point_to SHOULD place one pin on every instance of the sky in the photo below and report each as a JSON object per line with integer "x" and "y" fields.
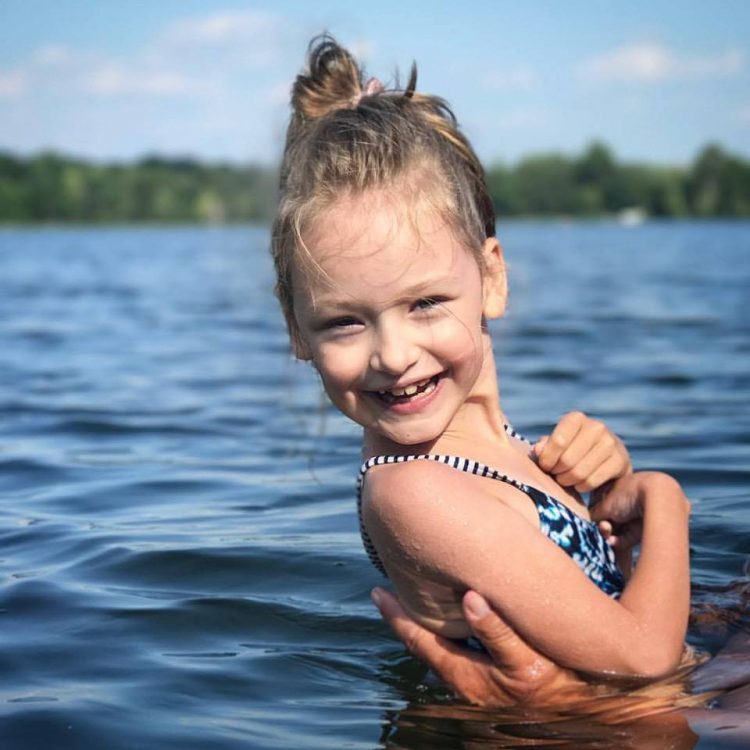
{"x": 116, "y": 80}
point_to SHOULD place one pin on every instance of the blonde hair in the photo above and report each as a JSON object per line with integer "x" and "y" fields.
{"x": 346, "y": 137}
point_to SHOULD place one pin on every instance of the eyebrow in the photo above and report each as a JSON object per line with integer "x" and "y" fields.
{"x": 330, "y": 300}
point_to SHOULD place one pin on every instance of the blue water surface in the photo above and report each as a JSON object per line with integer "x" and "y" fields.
{"x": 180, "y": 560}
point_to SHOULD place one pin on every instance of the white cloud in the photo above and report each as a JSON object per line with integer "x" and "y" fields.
{"x": 55, "y": 70}
{"x": 362, "y": 48}
{"x": 648, "y": 62}
{"x": 113, "y": 80}
{"x": 191, "y": 57}
{"x": 518, "y": 119}
{"x": 518, "y": 79}
{"x": 13, "y": 84}
{"x": 220, "y": 28}
{"x": 41, "y": 70}
{"x": 521, "y": 119}
{"x": 745, "y": 114}
{"x": 52, "y": 55}
{"x": 204, "y": 84}
{"x": 239, "y": 39}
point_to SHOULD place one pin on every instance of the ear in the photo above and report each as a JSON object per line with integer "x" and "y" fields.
{"x": 494, "y": 281}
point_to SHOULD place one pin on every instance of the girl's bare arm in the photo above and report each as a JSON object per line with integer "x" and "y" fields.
{"x": 428, "y": 519}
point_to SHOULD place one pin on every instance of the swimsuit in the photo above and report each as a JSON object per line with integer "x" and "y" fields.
{"x": 581, "y": 539}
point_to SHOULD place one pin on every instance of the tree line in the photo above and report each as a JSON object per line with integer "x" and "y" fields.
{"x": 50, "y": 187}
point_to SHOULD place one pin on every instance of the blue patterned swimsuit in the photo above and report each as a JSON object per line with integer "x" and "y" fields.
{"x": 581, "y": 539}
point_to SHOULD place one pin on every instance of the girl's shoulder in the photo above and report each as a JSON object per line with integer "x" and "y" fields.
{"x": 423, "y": 516}
{"x": 428, "y": 493}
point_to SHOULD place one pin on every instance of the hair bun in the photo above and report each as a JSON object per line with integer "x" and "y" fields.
{"x": 332, "y": 81}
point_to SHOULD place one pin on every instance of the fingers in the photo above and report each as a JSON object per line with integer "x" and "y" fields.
{"x": 605, "y": 527}
{"x": 610, "y": 468}
{"x": 512, "y": 673}
{"x": 422, "y": 643}
{"x": 507, "y": 650}
{"x": 539, "y": 446}
{"x": 616, "y": 541}
{"x": 597, "y": 462}
{"x": 572, "y": 440}
{"x": 630, "y": 536}
{"x": 582, "y": 453}
{"x": 562, "y": 436}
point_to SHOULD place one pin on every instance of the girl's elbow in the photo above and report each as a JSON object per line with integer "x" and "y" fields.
{"x": 654, "y": 662}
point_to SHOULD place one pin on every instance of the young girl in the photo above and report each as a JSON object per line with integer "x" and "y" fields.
{"x": 388, "y": 269}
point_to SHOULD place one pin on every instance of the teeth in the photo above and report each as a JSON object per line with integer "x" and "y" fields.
{"x": 409, "y": 390}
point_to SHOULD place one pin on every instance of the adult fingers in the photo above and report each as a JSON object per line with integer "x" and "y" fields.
{"x": 518, "y": 674}
{"x": 472, "y": 675}
{"x": 508, "y": 651}
{"x": 435, "y": 651}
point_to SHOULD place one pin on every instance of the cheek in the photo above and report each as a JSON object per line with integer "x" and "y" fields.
{"x": 338, "y": 368}
{"x": 460, "y": 340}
{"x": 472, "y": 355}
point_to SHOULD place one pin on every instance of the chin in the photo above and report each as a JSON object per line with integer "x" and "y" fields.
{"x": 419, "y": 435}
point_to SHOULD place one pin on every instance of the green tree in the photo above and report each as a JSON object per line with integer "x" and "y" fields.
{"x": 719, "y": 184}
{"x": 546, "y": 185}
{"x": 51, "y": 187}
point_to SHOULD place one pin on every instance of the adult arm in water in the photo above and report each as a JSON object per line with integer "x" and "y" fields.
{"x": 513, "y": 673}
{"x": 510, "y": 673}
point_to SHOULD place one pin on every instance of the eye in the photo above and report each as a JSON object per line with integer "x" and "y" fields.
{"x": 340, "y": 323}
{"x": 427, "y": 303}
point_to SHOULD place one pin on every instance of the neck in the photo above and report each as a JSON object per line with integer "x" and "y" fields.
{"x": 480, "y": 420}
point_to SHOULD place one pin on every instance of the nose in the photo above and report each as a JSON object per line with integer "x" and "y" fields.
{"x": 394, "y": 351}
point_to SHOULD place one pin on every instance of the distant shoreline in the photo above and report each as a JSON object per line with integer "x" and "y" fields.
{"x": 53, "y": 188}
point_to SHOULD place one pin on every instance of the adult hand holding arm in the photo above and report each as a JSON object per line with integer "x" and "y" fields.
{"x": 513, "y": 672}
{"x": 510, "y": 673}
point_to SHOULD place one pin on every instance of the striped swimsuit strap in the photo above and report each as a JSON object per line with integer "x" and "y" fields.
{"x": 579, "y": 538}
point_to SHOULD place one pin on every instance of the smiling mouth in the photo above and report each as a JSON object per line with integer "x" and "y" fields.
{"x": 410, "y": 392}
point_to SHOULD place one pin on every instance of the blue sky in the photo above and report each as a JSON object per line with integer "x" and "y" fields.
{"x": 115, "y": 80}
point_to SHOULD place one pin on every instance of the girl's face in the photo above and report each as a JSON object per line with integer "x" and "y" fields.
{"x": 391, "y": 315}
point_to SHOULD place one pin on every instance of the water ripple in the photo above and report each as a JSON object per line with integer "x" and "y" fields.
{"x": 181, "y": 564}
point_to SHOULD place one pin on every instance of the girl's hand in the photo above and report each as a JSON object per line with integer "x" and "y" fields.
{"x": 621, "y": 508}
{"x": 619, "y": 513}
{"x": 582, "y": 453}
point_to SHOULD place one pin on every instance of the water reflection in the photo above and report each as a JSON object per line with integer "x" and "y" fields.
{"x": 619, "y": 723}
{"x": 706, "y": 701}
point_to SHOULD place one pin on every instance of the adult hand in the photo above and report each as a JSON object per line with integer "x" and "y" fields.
{"x": 511, "y": 673}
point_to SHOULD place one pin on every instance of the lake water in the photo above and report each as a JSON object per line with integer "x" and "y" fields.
{"x": 180, "y": 560}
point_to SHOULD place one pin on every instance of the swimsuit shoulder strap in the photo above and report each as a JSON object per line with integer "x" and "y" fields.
{"x": 456, "y": 462}
{"x": 579, "y": 538}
